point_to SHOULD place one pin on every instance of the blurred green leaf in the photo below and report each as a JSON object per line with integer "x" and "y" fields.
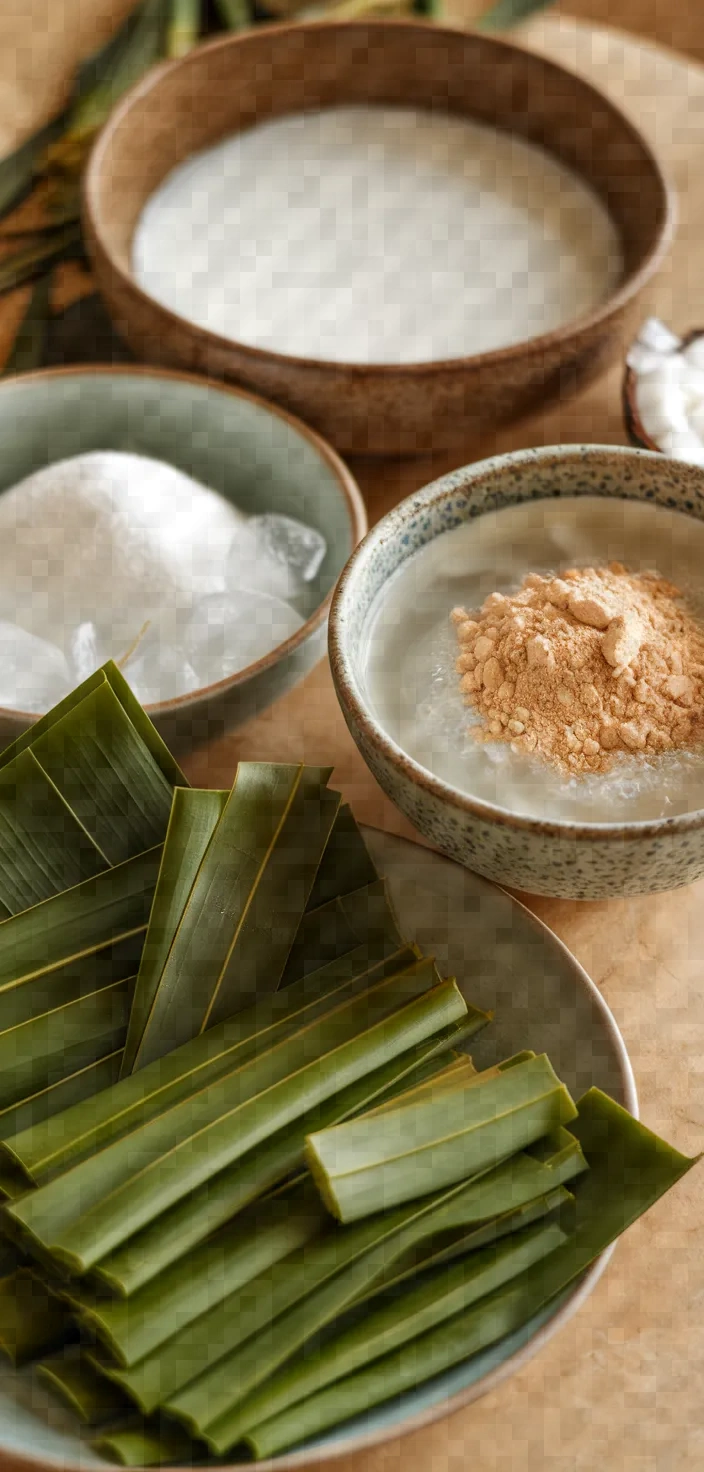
{"x": 30, "y": 342}
{"x": 507, "y": 13}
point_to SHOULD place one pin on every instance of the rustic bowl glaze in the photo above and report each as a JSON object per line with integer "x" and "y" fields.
{"x": 562, "y": 858}
{"x": 234, "y": 83}
{"x": 249, "y": 451}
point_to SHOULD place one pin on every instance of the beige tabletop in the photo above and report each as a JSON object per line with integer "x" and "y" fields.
{"x": 621, "y": 1389}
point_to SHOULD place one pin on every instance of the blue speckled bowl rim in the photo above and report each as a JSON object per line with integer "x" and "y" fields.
{"x": 570, "y": 1301}
{"x": 347, "y": 485}
{"x": 459, "y": 484}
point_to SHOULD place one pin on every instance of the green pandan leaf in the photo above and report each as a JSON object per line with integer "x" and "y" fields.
{"x": 245, "y": 904}
{"x": 629, "y": 1168}
{"x": 194, "y": 818}
{"x": 423, "y": 1145}
{"x": 86, "y": 1213}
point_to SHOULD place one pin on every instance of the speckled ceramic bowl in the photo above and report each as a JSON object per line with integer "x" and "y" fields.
{"x": 251, "y": 452}
{"x": 574, "y": 860}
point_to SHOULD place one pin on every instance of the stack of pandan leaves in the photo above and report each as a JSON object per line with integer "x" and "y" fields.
{"x": 252, "y": 1181}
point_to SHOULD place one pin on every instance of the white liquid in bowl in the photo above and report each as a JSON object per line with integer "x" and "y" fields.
{"x": 410, "y": 651}
{"x": 376, "y": 235}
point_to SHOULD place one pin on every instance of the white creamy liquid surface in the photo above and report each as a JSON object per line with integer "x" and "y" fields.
{"x": 376, "y": 234}
{"x": 410, "y": 651}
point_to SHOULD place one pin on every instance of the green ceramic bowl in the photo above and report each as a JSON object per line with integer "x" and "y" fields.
{"x": 251, "y": 452}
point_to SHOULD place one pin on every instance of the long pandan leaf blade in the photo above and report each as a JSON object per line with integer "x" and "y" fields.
{"x": 79, "y": 921}
{"x": 44, "y": 1152}
{"x": 134, "y": 1327}
{"x": 108, "y": 674}
{"x": 43, "y": 846}
{"x": 184, "y": 27}
{"x": 53, "y": 1045}
{"x": 363, "y": 917}
{"x": 32, "y": 261}
{"x": 18, "y": 169}
{"x": 629, "y": 1169}
{"x": 297, "y": 1299}
{"x": 33, "y": 1321}
{"x": 84, "y": 1084}
{"x": 245, "y": 904}
{"x": 26, "y": 998}
{"x": 422, "y": 1146}
{"x": 76, "y": 1382}
{"x": 390, "y": 1325}
{"x": 29, "y": 345}
{"x": 193, "y": 1219}
{"x": 83, "y": 1215}
{"x": 346, "y": 864}
{"x": 194, "y": 818}
{"x": 107, "y": 775}
{"x": 107, "y": 75}
{"x": 507, "y": 13}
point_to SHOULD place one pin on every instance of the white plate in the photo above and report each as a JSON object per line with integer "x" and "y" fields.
{"x": 505, "y": 961}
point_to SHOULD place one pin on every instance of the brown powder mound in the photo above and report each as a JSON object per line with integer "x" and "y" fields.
{"x": 580, "y": 667}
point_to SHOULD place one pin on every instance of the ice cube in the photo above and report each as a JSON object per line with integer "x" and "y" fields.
{"x": 34, "y": 674}
{"x": 276, "y": 555}
{"x": 228, "y": 631}
{"x": 86, "y": 652}
{"x": 158, "y": 670}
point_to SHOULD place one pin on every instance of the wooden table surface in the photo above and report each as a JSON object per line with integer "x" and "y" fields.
{"x": 620, "y": 1389}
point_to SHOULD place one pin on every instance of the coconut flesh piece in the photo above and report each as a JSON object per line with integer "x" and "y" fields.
{"x": 669, "y": 390}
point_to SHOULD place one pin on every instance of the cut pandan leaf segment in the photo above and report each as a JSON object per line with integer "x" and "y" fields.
{"x": 437, "y": 1297}
{"x": 423, "y": 1145}
{"x": 41, "y": 1153}
{"x": 629, "y": 1169}
{"x": 189, "y": 1222}
{"x": 33, "y": 1321}
{"x": 239, "y": 917}
{"x": 83, "y": 1215}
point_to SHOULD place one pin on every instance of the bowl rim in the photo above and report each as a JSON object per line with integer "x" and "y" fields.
{"x": 382, "y": 373}
{"x": 347, "y": 485}
{"x": 364, "y": 1441}
{"x": 359, "y": 716}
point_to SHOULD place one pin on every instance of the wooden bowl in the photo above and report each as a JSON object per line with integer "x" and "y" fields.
{"x": 242, "y": 80}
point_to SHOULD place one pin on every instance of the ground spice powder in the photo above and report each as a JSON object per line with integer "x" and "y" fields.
{"x": 580, "y": 667}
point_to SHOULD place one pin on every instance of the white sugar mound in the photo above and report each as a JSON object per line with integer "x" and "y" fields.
{"x": 114, "y": 555}
{"x": 105, "y": 536}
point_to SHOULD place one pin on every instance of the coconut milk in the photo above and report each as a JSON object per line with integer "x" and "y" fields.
{"x": 376, "y": 235}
